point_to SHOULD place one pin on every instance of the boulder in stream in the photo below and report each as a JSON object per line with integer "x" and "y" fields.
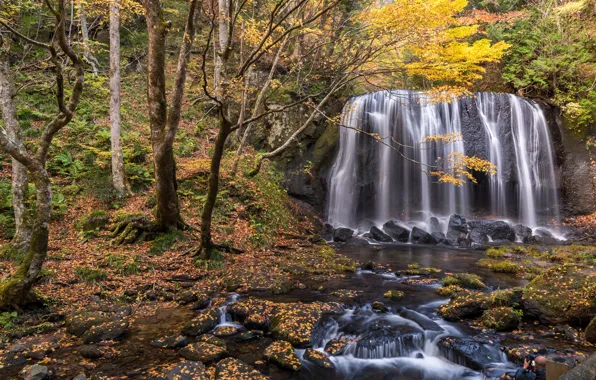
{"x": 473, "y": 353}
{"x": 106, "y": 331}
{"x": 419, "y": 236}
{"x": 342, "y": 234}
{"x": 379, "y": 235}
{"x": 188, "y": 370}
{"x": 434, "y": 225}
{"x": 234, "y": 369}
{"x": 36, "y": 372}
{"x": 319, "y": 358}
{"x": 397, "y": 232}
{"x": 203, "y": 323}
{"x": 282, "y": 353}
{"x": 522, "y": 231}
{"x": 203, "y": 352}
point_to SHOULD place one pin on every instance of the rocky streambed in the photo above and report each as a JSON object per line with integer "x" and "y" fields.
{"x": 408, "y": 312}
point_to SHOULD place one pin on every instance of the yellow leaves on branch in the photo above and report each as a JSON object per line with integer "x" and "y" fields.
{"x": 448, "y": 138}
{"x": 425, "y": 38}
{"x": 460, "y": 167}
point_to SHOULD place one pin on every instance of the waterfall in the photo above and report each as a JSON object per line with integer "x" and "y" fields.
{"x": 370, "y": 182}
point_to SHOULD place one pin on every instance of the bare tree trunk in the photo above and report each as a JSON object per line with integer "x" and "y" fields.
{"x": 93, "y": 62}
{"x": 115, "y": 130}
{"x": 164, "y": 125}
{"x": 20, "y": 178}
{"x": 207, "y": 246}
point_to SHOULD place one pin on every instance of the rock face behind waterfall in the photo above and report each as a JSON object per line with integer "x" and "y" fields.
{"x": 397, "y": 232}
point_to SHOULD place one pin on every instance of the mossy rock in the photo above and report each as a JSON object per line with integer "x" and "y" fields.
{"x": 282, "y": 353}
{"x": 234, "y": 369}
{"x": 562, "y": 295}
{"x": 203, "y": 352}
{"x": 465, "y": 280}
{"x": 464, "y": 305}
{"x": 202, "y": 324}
{"x": 319, "y": 358}
{"x": 449, "y": 291}
{"x": 394, "y": 294}
{"x": 502, "y": 318}
{"x": 96, "y": 220}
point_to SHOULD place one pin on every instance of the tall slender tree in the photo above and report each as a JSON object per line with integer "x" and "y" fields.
{"x": 15, "y": 291}
{"x": 115, "y": 120}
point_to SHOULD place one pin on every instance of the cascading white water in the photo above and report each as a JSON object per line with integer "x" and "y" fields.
{"x": 371, "y": 183}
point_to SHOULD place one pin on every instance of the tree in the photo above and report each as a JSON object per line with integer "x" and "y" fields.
{"x": 333, "y": 47}
{"x": 115, "y": 130}
{"x": 15, "y": 291}
{"x": 20, "y": 178}
{"x": 164, "y": 123}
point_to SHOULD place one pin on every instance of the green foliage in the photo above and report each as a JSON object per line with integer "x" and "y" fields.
{"x": 495, "y": 253}
{"x": 7, "y": 320}
{"x": 466, "y": 280}
{"x": 553, "y": 55}
{"x": 502, "y": 318}
{"x": 87, "y": 274}
{"x": 123, "y": 264}
{"x": 164, "y": 242}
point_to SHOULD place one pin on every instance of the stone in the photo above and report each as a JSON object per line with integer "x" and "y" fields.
{"x": 591, "y": 331}
{"x": 501, "y": 318}
{"x": 319, "y": 358}
{"x": 203, "y": 352}
{"x": 499, "y": 230}
{"x": 203, "y": 300}
{"x": 225, "y": 331}
{"x": 250, "y": 335}
{"x": 188, "y": 370}
{"x": 357, "y": 241}
{"x": 397, "y": 232}
{"x": 422, "y": 320}
{"x": 106, "y": 331}
{"x": 211, "y": 339}
{"x": 327, "y": 233}
{"x": 379, "y": 306}
{"x": 342, "y": 234}
{"x": 583, "y": 371}
{"x": 36, "y": 372}
{"x": 170, "y": 341}
{"x": 79, "y": 323}
{"x": 80, "y": 376}
{"x": 439, "y": 237}
{"x": 478, "y": 237}
{"x": 522, "y": 231}
{"x": 468, "y": 305}
{"x": 379, "y": 235}
{"x": 282, "y": 353}
{"x": 434, "y": 225}
{"x": 336, "y": 346}
{"x": 90, "y": 352}
{"x": 419, "y": 236}
{"x": 457, "y": 223}
{"x": 234, "y": 369}
{"x": 12, "y": 360}
{"x": 185, "y": 297}
{"x": 203, "y": 323}
{"x": 473, "y": 353}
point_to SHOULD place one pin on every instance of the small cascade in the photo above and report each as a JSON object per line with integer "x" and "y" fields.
{"x": 370, "y": 182}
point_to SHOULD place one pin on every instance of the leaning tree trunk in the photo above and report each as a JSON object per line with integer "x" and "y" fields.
{"x": 16, "y": 291}
{"x": 207, "y": 246}
{"x": 115, "y": 122}
{"x": 20, "y": 178}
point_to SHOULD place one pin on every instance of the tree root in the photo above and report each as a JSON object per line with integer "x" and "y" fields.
{"x": 206, "y": 253}
{"x": 136, "y": 228}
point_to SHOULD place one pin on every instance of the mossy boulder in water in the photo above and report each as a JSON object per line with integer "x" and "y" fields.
{"x": 561, "y": 295}
{"x": 203, "y": 352}
{"x": 502, "y": 318}
{"x": 319, "y": 358}
{"x": 469, "y": 304}
{"x": 188, "y": 370}
{"x": 202, "y": 324}
{"x": 282, "y": 353}
{"x": 465, "y": 280}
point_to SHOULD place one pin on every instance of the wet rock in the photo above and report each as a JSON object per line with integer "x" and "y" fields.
{"x": 387, "y": 340}
{"x": 522, "y": 231}
{"x": 558, "y": 297}
{"x": 394, "y": 294}
{"x": 342, "y": 234}
{"x": 202, "y": 324}
{"x": 470, "y": 352}
{"x": 478, "y": 237}
{"x": 250, "y": 335}
{"x": 282, "y": 353}
{"x": 36, "y": 372}
{"x": 379, "y": 235}
{"x": 90, "y": 352}
{"x": 357, "y": 241}
{"x": 203, "y": 352}
{"x": 80, "y": 376}
{"x": 584, "y": 370}
{"x": 79, "y": 323}
{"x": 591, "y": 331}
{"x": 106, "y": 331}
{"x": 257, "y": 322}
{"x": 170, "y": 341}
{"x": 202, "y": 301}
{"x": 464, "y": 306}
{"x": 457, "y": 223}
{"x": 422, "y": 320}
{"x": 327, "y": 233}
{"x": 319, "y": 358}
{"x": 336, "y": 346}
{"x": 18, "y": 348}
{"x": 419, "y": 236}
{"x": 567, "y": 332}
{"x": 501, "y": 318}
{"x": 397, "y": 232}
{"x": 465, "y": 280}
{"x": 434, "y": 225}
{"x": 379, "y": 306}
{"x": 439, "y": 237}
{"x": 234, "y": 369}
{"x": 188, "y": 370}
{"x": 185, "y": 297}
{"x": 370, "y": 265}
{"x": 225, "y": 331}
{"x": 208, "y": 338}
{"x": 12, "y": 360}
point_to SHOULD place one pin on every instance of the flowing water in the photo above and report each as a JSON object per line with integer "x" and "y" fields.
{"x": 377, "y": 179}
